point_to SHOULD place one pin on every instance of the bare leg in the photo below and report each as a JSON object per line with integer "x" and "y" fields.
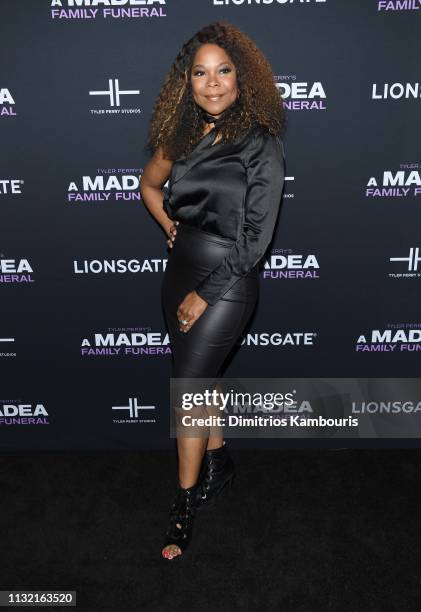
{"x": 215, "y": 442}
{"x": 190, "y": 454}
{"x": 216, "y": 435}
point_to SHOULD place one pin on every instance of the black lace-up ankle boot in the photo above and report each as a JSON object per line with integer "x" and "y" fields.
{"x": 182, "y": 512}
{"x": 217, "y": 472}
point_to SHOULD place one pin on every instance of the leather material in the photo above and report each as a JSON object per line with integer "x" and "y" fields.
{"x": 232, "y": 190}
{"x": 182, "y": 512}
{"x": 202, "y": 351}
{"x": 217, "y": 471}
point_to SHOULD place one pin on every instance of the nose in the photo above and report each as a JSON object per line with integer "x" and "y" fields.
{"x": 212, "y": 80}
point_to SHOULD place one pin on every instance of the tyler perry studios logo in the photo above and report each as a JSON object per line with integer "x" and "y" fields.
{"x": 408, "y": 266}
{"x": 5, "y": 346}
{"x": 288, "y": 195}
{"x": 398, "y": 5}
{"x": 134, "y": 412}
{"x": 107, "y": 9}
{"x": 7, "y": 103}
{"x": 396, "y": 338}
{"x": 12, "y": 412}
{"x": 402, "y": 183}
{"x": 108, "y": 184}
{"x": 301, "y": 95}
{"x": 112, "y": 99}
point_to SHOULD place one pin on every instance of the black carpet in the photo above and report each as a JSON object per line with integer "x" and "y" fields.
{"x": 301, "y": 530}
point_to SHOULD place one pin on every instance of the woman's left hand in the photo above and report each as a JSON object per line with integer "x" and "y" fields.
{"x": 190, "y": 309}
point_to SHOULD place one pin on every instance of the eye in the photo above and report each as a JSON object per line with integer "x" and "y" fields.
{"x": 199, "y": 72}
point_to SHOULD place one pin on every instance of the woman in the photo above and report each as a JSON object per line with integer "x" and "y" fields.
{"x": 214, "y": 133}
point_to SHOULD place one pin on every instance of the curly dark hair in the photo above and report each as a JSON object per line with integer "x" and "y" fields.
{"x": 176, "y": 124}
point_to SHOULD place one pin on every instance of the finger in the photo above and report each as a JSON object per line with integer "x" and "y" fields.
{"x": 180, "y": 321}
{"x": 186, "y": 326}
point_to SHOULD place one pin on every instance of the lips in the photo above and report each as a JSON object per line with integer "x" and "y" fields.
{"x": 214, "y": 98}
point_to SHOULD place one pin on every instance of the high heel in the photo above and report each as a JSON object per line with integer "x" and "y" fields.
{"x": 182, "y": 512}
{"x": 217, "y": 472}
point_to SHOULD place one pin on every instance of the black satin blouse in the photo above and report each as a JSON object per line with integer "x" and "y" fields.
{"x": 232, "y": 190}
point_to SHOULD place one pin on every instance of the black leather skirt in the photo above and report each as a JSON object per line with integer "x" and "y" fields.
{"x": 202, "y": 350}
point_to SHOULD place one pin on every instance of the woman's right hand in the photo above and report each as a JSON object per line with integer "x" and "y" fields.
{"x": 171, "y": 233}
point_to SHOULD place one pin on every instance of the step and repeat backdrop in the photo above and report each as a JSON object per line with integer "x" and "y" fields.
{"x": 84, "y": 352}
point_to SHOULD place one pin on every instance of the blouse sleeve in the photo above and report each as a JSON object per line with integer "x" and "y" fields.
{"x": 265, "y": 173}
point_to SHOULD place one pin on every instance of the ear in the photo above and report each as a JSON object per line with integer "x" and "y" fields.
{"x": 186, "y": 78}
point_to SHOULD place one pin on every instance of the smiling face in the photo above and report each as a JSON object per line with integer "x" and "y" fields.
{"x": 213, "y": 79}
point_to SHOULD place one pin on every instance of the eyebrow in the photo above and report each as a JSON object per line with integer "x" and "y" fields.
{"x": 220, "y": 64}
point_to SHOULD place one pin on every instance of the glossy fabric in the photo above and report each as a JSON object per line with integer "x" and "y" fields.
{"x": 203, "y": 349}
{"x": 232, "y": 190}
